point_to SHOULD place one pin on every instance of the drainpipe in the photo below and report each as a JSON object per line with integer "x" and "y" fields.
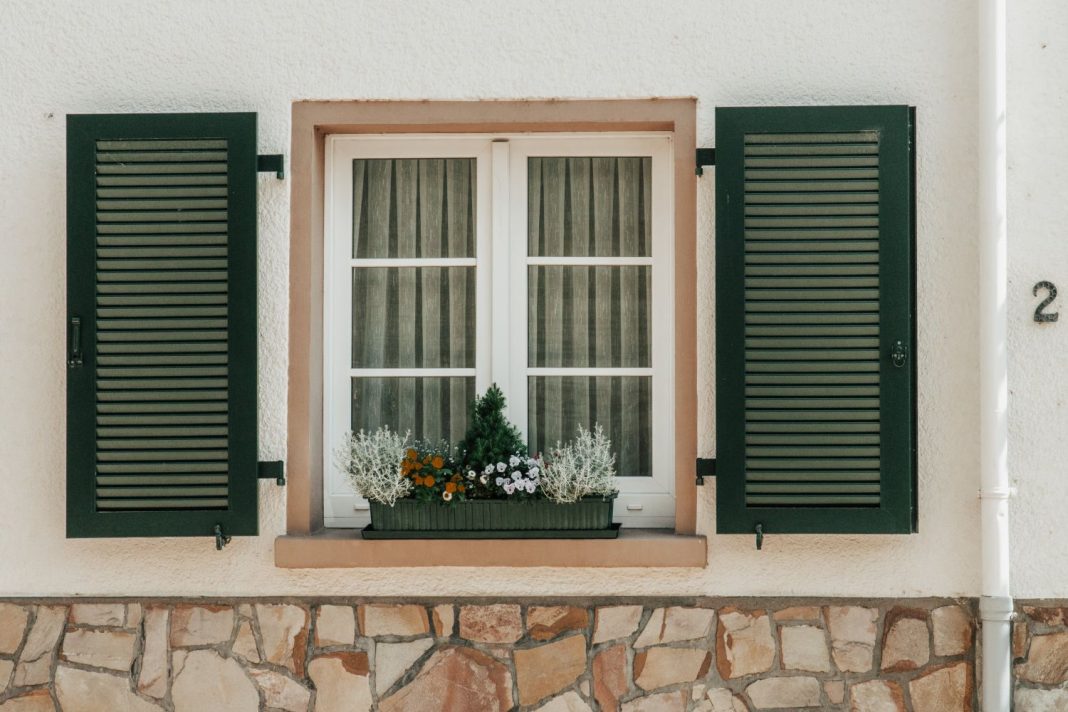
{"x": 995, "y": 603}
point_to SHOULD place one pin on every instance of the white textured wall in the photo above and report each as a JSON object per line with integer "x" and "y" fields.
{"x": 58, "y": 58}
{"x": 1038, "y": 250}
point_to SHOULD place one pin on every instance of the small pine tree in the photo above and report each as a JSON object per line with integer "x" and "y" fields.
{"x": 490, "y": 437}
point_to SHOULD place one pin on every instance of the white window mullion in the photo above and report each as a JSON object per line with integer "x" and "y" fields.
{"x": 515, "y": 274}
{"x": 502, "y": 369}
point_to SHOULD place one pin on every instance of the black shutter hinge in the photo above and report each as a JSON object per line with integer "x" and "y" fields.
{"x": 705, "y": 157}
{"x": 706, "y": 467}
{"x": 273, "y": 470}
{"x": 271, "y": 163}
{"x": 221, "y": 539}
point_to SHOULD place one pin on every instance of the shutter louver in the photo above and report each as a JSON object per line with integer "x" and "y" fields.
{"x": 814, "y": 422}
{"x": 162, "y": 274}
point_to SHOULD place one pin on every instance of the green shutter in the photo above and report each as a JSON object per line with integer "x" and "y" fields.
{"x": 161, "y": 298}
{"x": 815, "y": 424}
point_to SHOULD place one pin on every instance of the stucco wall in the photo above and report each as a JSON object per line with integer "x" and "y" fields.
{"x": 261, "y": 56}
{"x": 1038, "y": 380}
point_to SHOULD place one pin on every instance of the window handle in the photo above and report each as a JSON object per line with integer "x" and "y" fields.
{"x": 635, "y": 507}
{"x": 74, "y": 358}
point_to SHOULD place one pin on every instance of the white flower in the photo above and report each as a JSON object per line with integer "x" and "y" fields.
{"x": 489, "y": 469}
{"x": 509, "y": 487}
{"x": 446, "y": 496}
{"x": 513, "y": 461}
{"x": 531, "y": 487}
{"x": 484, "y": 479}
{"x": 500, "y": 481}
{"x": 517, "y": 475}
{"x": 501, "y": 467}
{"x": 470, "y": 474}
{"x": 533, "y": 471}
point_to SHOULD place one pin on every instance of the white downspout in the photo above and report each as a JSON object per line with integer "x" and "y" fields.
{"x": 995, "y": 603}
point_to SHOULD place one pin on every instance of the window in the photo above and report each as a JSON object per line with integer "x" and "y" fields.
{"x": 540, "y": 263}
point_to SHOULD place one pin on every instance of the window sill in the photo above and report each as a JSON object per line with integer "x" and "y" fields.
{"x": 345, "y": 548}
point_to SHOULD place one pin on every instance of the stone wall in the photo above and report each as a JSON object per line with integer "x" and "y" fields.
{"x": 554, "y": 656}
{"x": 1040, "y": 656}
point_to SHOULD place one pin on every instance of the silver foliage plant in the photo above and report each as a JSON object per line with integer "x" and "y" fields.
{"x": 372, "y": 462}
{"x": 582, "y": 467}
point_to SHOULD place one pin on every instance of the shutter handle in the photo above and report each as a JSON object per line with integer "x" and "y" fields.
{"x": 74, "y": 359}
{"x": 899, "y": 354}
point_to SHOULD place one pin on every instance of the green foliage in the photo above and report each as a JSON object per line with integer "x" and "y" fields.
{"x": 490, "y": 437}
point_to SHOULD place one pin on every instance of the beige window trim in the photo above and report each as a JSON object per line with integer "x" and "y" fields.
{"x": 306, "y": 543}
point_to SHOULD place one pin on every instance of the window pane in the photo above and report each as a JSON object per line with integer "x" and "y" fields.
{"x": 597, "y": 207}
{"x": 413, "y": 317}
{"x": 588, "y": 316}
{"x": 622, "y": 405}
{"x": 431, "y": 408}
{"x": 413, "y": 207}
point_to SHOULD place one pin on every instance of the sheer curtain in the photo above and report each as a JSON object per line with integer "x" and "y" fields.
{"x": 591, "y": 316}
{"x": 413, "y": 317}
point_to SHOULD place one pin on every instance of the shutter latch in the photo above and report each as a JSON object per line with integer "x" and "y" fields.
{"x": 759, "y": 529}
{"x": 74, "y": 357}
{"x": 899, "y": 353}
{"x": 273, "y": 470}
{"x": 221, "y": 539}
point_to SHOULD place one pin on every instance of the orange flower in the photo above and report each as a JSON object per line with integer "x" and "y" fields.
{"x": 456, "y": 478}
{"x": 450, "y": 486}
{"x": 461, "y": 488}
{"x": 438, "y": 462}
{"x": 429, "y": 480}
{"x": 418, "y": 480}
{"x": 412, "y": 454}
{"x": 426, "y": 460}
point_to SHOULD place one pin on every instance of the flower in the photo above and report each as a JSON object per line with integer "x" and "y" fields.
{"x": 533, "y": 471}
{"x": 517, "y": 475}
{"x": 501, "y": 467}
{"x": 470, "y": 474}
{"x": 531, "y": 487}
{"x": 484, "y": 479}
{"x": 490, "y": 469}
{"x": 446, "y": 495}
{"x": 412, "y": 454}
{"x": 429, "y": 480}
{"x": 438, "y": 462}
{"x": 450, "y": 487}
{"x": 509, "y": 487}
{"x": 499, "y": 481}
{"x": 513, "y": 461}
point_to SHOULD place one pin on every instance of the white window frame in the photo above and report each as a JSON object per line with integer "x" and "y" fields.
{"x": 501, "y": 265}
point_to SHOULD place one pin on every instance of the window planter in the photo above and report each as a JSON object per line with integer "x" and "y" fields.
{"x": 589, "y": 518}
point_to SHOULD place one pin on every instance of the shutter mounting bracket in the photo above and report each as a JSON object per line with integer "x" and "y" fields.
{"x": 706, "y": 467}
{"x": 271, "y": 163}
{"x": 221, "y": 539}
{"x": 705, "y": 157}
{"x": 273, "y": 470}
{"x": 759, "y": 529}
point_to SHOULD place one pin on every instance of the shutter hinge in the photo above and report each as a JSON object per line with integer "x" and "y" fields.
{"x": 273, "y": 470}
{"x": 705, "y": 157}
{"x": 706, "y": 467}
{"x": 271, "y": 163}
{"x": 221, "y": 539}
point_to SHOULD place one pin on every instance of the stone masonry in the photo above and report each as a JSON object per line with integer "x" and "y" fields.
{"x": 550, "y": 656}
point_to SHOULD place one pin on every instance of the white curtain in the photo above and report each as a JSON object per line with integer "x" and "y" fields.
{"x": 590, "y": 316}
{"x": 413, "y": 317}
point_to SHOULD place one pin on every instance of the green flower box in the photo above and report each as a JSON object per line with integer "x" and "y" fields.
{"x": 589, "y": 518}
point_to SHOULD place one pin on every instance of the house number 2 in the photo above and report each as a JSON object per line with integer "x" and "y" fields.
{"x": 1040, "y": 316}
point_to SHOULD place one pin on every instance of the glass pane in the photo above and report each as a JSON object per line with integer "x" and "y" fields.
{"x": 588, "y": 316}
{"x": 596, "y": 207}
{"x": 622, "y": 405}
{"x": 413, "y": 317}
{"x": 431, "y": 408}
{"x": 413, "y": 207}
